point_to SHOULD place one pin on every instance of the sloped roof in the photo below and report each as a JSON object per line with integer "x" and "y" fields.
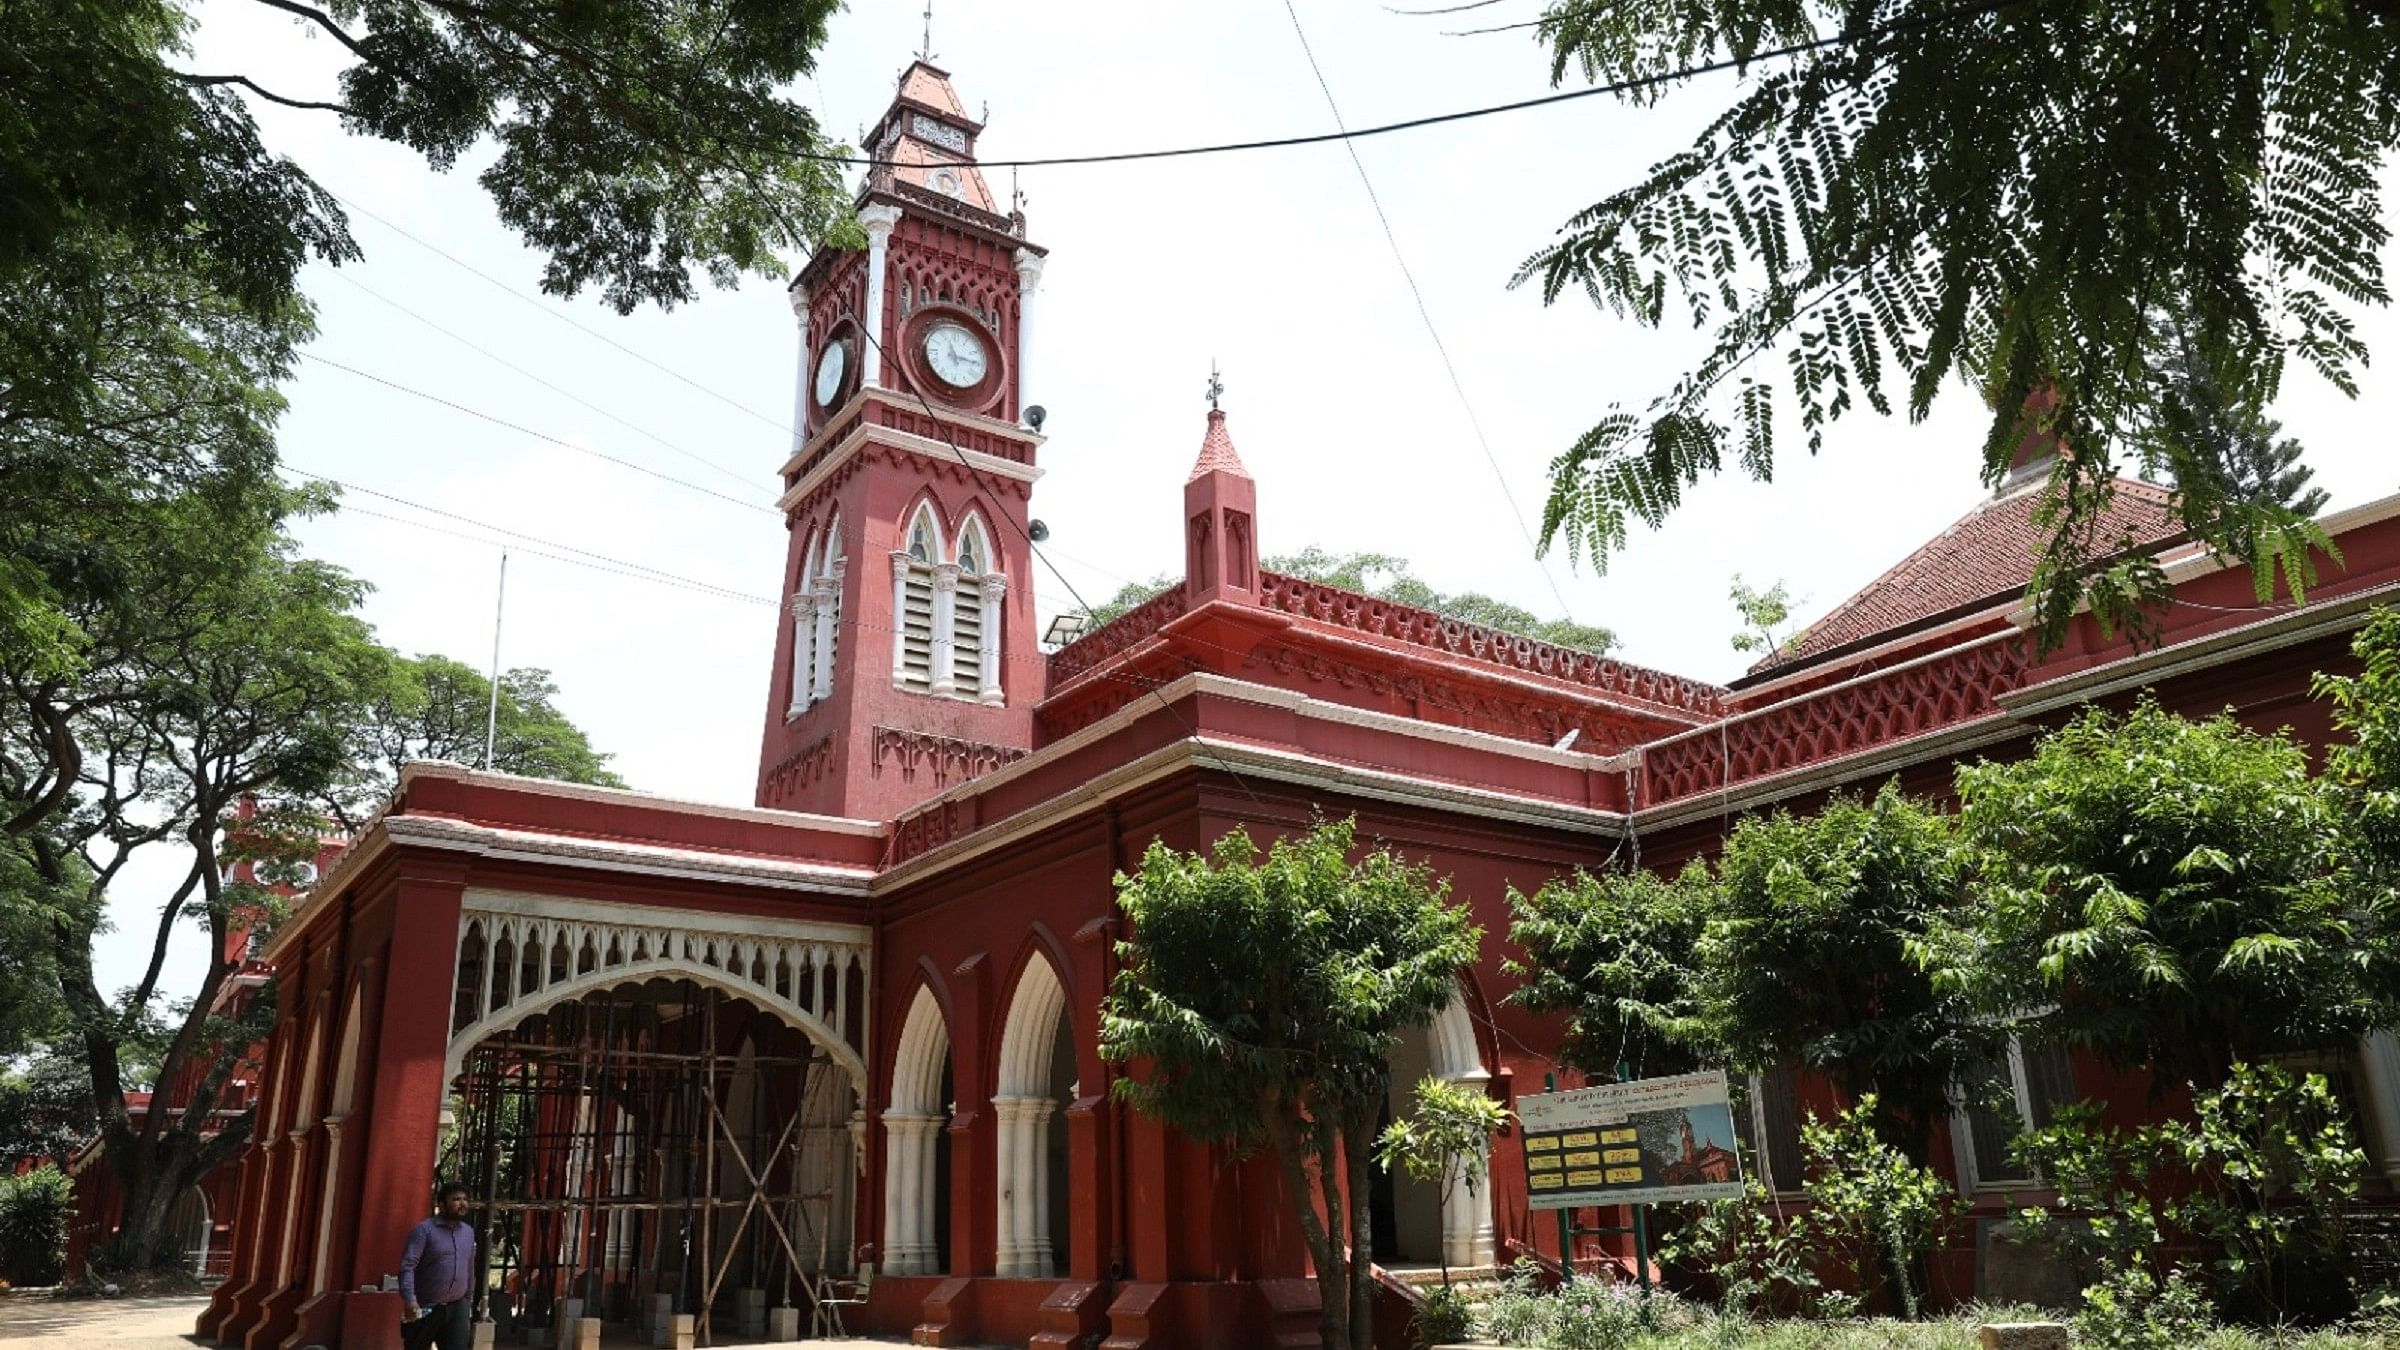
{"x": 1216, "y": 451}
{"x": 930, "y": 85}
{"x": 1988, "y": 555}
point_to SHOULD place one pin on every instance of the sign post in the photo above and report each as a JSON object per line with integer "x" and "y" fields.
{"x": 1649, "y": 1141}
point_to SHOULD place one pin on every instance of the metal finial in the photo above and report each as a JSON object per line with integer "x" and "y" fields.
{"x": 925, "y": 52}
{"x": 1216, "y": 384}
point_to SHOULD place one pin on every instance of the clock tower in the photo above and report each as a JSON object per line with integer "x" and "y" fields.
{"x": 905, "y": 656}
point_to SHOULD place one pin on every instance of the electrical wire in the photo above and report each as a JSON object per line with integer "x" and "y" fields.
{"x": 561, "y": 390}
{"x": 1441, "y": 348}
{"x": 1638, "y": 84}
{"x": 570, "y": 320}
{"x": 478, "y": 413}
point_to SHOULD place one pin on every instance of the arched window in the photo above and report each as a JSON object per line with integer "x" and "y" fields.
{"x": 816, "y": 618}
{"x": 947, "y": 606}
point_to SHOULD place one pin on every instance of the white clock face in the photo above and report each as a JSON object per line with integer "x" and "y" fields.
{"x": 955, "y": 355}
{"x": 830, "y": 366}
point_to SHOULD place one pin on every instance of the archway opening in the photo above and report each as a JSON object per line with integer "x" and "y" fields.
{"x": 652, "y": 1148}
{"x": 1036, "y": 1081}
{"x": 1416, "y": 1223}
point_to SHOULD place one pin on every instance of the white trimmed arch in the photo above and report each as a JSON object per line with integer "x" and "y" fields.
{"x": 806, "y": 973}
{"x": 1452, "y": 1055}
{"x": 1026, "y": 1110}
{"x": 917, "y": 1111}
{"x": 345, "y": 1098}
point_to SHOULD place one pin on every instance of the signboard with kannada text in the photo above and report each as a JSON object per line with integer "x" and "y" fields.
{"x": 1650, "y": 1141}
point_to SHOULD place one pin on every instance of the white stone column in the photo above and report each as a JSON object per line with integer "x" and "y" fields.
{"x": 804, "y": 650}
{"x": 828, "y": 613}
{"x": 907, "y": 1190}
{"x": 1009, "y": 1115}
{"x": 1044, "y": 1118}
{"x": 945, "y": 628}
{"x": 992, "y": 586}
{"x": 878, "y": 220}
{"x": 902, "y": 561}
{"x": 798, "y": 295}
{"x": 1029, "y": 280}
{"x": 321, "y": 1269}
{"x": 2379, "y": 1084}
{"x": 1468, "y": 1238}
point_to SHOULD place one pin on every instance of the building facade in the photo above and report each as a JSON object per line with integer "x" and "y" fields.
{"x": 688, "y": 1057}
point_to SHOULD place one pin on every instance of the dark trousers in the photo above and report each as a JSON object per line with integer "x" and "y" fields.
{"x": 444, "y": 1325}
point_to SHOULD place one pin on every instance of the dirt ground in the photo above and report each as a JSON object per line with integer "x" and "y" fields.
{"x": 151, "y": 1324}
{"x": 101, "y": 1323}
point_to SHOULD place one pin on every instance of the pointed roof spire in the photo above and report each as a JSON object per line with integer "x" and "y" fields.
{"x": 1216, "y": 451}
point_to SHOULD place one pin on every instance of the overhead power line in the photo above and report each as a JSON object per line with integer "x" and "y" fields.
{"x": 561, "y": 390}
{"x": 523, "y": 430}
{"x": 1432, "y": 330}
{"x": 780, "y": 424}
{"x": 1637, "y": 84}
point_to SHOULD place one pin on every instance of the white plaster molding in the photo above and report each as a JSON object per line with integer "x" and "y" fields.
{"x": 824, "y": 631}
{"x": 440, "y": 768}
{"x": 941, "y": 675}
{"x": 942, "y": 413}
{"x": 903, "y": 562}
{"x": 932, "y": 449}
{"x": 877, "y": 219}
{"x": 990, "y": 588}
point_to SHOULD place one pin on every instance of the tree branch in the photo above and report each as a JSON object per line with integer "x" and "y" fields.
{"x": 256, "y": 88}
{"x": 167, "y": 916}
{"x": 322, "y": 20}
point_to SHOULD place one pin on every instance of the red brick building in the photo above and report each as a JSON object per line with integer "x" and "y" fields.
{"x": 696, "y": 1053}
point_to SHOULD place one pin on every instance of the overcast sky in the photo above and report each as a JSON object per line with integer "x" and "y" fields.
{"x": 1271, "y": 264}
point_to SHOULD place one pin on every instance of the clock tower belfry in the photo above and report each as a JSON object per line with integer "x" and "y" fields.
{"x": 905, "y": 657}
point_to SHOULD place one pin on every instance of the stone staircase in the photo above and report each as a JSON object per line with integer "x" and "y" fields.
{"x": 1473, "y": 1283}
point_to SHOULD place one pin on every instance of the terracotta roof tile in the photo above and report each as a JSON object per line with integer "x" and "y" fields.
{"x": 1987, "y": 556}
{"x": 930, "y": 85}
{"x": 1216, "y": 451}
{"x": 926, "y": 167}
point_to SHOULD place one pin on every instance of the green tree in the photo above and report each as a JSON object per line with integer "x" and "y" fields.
{"x": 1615, "y": 952}
{"x": 1811, "y": 957}
{"x": 2363, "y": 767}
{"x": 436, "y": 708}
{"x": 1995, "y": 193}
{"x": 1388, "y": 578}
{"x": 2166, "y": 891}
{"x": 2243, "y": 449}
{"x": 1131, "y": 595}
{"x": 1764, "y": 616}
{"x": 638, "y": 142}
{"x": 1259, "y": 1002}
{"x": 1446, "y": 1140}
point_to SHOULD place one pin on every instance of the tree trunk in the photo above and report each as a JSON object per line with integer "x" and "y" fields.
{"x": 1357, "y": 1139}
{"x": 1333, "y": 1331}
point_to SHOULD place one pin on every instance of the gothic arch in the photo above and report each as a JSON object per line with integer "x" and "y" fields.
{"x": 1026, "y": 1101}
{"x": 915, "y": 1113}
{"x": 926, "y": 511}
{"x": 345, "y": 1100}
{"x": 804, "y": 977}
{"x": 1461, "y": 1220}
{"x": 973, "y": 537}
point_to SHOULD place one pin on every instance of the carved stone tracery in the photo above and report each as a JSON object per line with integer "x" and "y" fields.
{"x": 948, "y": 758}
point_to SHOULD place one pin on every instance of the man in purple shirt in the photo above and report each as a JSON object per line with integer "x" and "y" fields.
{"x": 437, "y": 1276}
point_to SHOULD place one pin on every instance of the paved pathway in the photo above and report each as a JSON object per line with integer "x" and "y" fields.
{"x": 100, "y": 1323}
{"x": 155, "y": 1324}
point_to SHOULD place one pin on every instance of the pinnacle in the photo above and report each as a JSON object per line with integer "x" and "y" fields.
{"x": 1216, "y": 451}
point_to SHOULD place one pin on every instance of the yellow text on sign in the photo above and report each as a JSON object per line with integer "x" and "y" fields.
{"x": 1541, "y": 1143}
{"x": 1548, "y": 1181}
{"x": 1583, "y": 1140}
{"x": 1618, "y": 1176}
{"x": 1624, "y": 1155}
{"x": 1617, "y": 1137}
{"x": 1591, "y": 1159}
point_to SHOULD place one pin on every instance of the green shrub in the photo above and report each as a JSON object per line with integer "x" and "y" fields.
{"x": 1444, "y": 1319}
{"x": 34, "y": 1209}
{"x": 1583, "y": 1314}
{"x": 1872, "y": 1209}
{"x": 2264, "y": 1174}
{"x": 1757, "y": 1258}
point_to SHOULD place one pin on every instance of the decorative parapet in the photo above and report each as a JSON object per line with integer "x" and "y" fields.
{"x": 947, "y": 758}
{"x": 1120, "y": 634}
{"x": 1944, "y": 690}
{"x": 1486, "y": 646}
